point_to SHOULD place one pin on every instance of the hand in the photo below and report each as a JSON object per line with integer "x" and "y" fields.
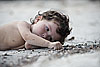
{"x": 55, "y": 45}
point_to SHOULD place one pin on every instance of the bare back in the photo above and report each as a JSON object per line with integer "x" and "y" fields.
{"x": 10, "y": 36}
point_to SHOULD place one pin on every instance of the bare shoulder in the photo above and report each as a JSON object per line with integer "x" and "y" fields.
{"x": 23, "y": 23}
{"x": 24, "y": 29}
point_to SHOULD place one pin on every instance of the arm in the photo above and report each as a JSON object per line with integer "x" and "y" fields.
{"x": 30, "y": 38}
{"x": 20, "y": 47}
{"x": 29, "y": 46}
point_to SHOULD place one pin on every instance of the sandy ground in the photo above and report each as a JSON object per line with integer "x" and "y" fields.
{"x": 78, "y": 60}
{"x": 84, "y": 19}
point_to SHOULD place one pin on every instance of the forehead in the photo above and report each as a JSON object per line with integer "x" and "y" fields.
{"x": 53, "y": 27}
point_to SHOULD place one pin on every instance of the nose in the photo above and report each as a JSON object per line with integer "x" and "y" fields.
{"x": 44, "y": 35}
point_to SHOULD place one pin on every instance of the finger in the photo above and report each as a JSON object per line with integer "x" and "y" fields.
{"x": 59, "y": 46}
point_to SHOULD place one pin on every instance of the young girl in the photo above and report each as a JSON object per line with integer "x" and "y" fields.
{"x": 48, "y": 29}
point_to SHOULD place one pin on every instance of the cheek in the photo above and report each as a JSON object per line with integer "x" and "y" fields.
{"x": 40, "y": 29}
{"x": 55, "y": 35}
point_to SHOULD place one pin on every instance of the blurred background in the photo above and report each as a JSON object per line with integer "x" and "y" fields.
{"x": 84, "y": 14}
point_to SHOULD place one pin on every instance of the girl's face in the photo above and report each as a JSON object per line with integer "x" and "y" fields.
{"x": 46, "y": 29}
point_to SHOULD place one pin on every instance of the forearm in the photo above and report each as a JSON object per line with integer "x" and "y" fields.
{"x": 36, "y": 40}
{"x": 29, "y": 46}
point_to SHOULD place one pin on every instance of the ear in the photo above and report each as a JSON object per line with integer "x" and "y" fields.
{"x": 38, "y": 18}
